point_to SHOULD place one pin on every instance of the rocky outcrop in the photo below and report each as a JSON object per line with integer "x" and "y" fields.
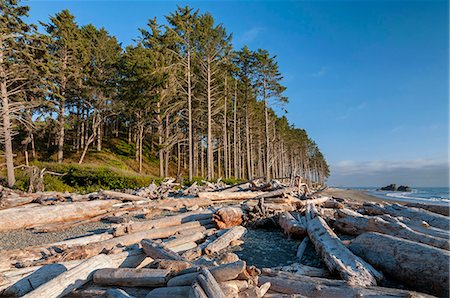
{"x": 390, "y": 187}
{"x": 393, "y": 187}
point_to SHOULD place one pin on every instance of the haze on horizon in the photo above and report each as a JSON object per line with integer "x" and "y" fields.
{"x": 368, "y": 80}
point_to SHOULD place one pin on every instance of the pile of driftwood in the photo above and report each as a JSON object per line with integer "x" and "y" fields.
{"x": 189, "y": 252}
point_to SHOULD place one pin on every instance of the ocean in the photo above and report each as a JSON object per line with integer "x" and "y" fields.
{"x": 428, "y": 195}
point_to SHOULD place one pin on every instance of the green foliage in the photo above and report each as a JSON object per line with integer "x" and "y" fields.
{"x": 88, "y": 178}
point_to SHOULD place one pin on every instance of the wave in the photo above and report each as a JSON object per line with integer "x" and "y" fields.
{"x": 406, "y": 195}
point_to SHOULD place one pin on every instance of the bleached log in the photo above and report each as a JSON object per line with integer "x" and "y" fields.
{"x": 209, "y": 284}
{"x": 324, "y": 288}
{"x": 229, "y": 195}
{"x": 300, "y": 269}
{"x": 317, "y": 201}
{"x": 362, "y": 224}
{"x": 171, "y": 265}
{"x": 122, "y": 196}
{"x": 131, "y": 277}
{"x": 418, "y": 265}
{"x": 172, "y": 292}
{"x": 221, "y": 273}
{"x": 197, "y": 291}
{"x": 184, "y": 239}
{"x": 290, "y": 225}
{"x": 158, "y": 251}
{"x": 82, "y": 252}
{"x": 167, "y": 221}
{"x": 227, "y": 217}
{"x": 22, "y": 284}
{"x": 224, "y": 240}
{"x": 184, "y": 247}
{"x": 338, "y": 258}
{"x": 23, "y": 217}
{"x": 439, "y": 209}
{"x": 276, "y": 193}
{"x": 302, "y": 247}
{"x": 433, "y": 219}
{"x": 101, "y": 291}
{"x": 71, "y": 279}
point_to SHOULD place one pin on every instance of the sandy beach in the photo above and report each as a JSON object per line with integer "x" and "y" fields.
{"x": 357, "y": 195}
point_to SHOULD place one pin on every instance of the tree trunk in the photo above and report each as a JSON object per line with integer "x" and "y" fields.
{"x": 417, "y": 265}
{"x": 6, "y": 126}
{"x": 189, "y": 90}
{"x": 225, "y": 240}
{"x": 210, "y": 157}
{"x": 235, "y": 132}
{"x": 160, "y": 140}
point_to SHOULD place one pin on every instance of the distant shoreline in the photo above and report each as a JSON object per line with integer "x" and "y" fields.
{"x": 357, "y": 195}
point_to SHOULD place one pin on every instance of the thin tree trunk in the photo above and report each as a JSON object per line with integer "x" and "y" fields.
{"x": 225, "y": 139}
{"x": 266, "y": 118}
{"x": 210, "y": 157}
{"x": 235, "y": 132}
{"x": 160, "y": 140}
{"x": 167, "y": 150}
{"x": 189, "y": 90}
{"x": 7, "y": 126}
{"x": 62, "y": 111}
{"x": 99, "y": 138}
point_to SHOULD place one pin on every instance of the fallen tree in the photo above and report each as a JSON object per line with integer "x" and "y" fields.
{"x": 337, "y": 257}
{"x": 288, "y": 283}
{"x": 358, "y": 224}
{"x": 417, "y": 265}
{"x": 35, "y": 215}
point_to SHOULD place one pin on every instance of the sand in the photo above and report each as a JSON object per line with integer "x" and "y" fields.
{"x": 356, "y": 195}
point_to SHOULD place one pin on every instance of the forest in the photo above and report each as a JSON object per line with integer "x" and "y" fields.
{"x": 180, "y": 101}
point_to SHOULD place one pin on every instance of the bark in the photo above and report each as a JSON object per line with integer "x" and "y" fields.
{"x": 356, "y": 225}
{"x": 325, "y": 288}
{"x": 338, "y": 258}
{"x": 417, "y": 265}
{"x": 71, "y": 279}
{"x": 131, "y": 277}
{"x": 224, "y": 240}
{"x": 27, "y": 217}
{"x": 210, "y": 156}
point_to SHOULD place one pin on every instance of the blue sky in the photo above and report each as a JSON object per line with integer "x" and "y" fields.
{"x": 367, "y": 79}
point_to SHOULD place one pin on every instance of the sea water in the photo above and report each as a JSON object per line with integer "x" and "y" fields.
{"x": 427, "y": 195}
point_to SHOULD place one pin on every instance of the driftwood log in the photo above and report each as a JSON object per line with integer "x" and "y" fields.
{"x": 290, "y": 284}
{"x": 229, "y": 195}
{"x": 227, "y": 217}
{"x": 221, "y": 273}
{"x": 338, "y": 258}
{"x": 358, "y": 224}
{"x": 71, "y": 279}
{"x": 209, "y": 284}
{"x": 29, "y": 216}
{"x": 433, "y": 219}
{"x": 225, "y": 240}
{"x": 158, "y": 251}
{"x": 172, "y": 292}
{"x": 439, "y": 209}
{"x": 291, "y": 226}
{"x": 417, "y": 265}
{"x": 131, "y": 277}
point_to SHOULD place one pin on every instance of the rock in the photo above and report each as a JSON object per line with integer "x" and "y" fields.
{"x": 404, "y": 188}
{"x": 390, "y": 187}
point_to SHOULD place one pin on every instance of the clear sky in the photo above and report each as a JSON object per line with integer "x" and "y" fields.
{"x": 368, "y": 80}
